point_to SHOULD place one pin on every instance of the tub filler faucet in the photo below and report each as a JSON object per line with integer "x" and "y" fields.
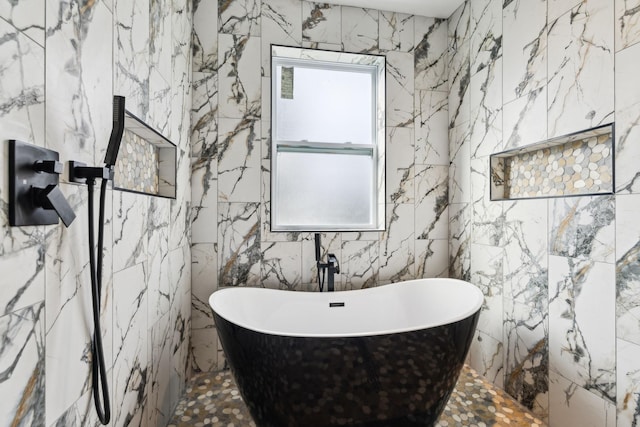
{"x": 330, "y": 268}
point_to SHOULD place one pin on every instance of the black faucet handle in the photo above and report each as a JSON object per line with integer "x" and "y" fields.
{"x": 48, "y": 166}
{"x": 333, "y": 262}
{"x": 52, "y": 198}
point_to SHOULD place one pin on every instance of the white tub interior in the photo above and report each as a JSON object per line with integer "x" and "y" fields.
{"x": 394, "y": 308}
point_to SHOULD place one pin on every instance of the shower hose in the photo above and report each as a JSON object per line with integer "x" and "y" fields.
{"x": 99, "y": 373}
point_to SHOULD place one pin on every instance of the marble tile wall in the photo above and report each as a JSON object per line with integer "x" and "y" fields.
{"x": 232, "y": 242}
{"x": 61, "y": 65}
{"x": 559, "y": 329}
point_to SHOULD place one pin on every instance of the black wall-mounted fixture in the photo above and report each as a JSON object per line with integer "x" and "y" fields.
{"x": 34, "y": 195}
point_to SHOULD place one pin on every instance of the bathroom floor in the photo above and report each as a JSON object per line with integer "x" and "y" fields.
{"x": 212, "y": 399}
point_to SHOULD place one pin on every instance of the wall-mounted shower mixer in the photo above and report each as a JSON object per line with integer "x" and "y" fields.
{"x": 34, "y": 195}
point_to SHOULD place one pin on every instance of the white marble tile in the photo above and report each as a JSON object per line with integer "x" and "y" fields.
{"x": 559, "y": 7}
{"x": 281, "y": 24}
{"x": 488, "y": 221}
{"x": 526, "y": 357}
{"x": 460, "y": 165}
{"x": 159, "y": 286}
{"x": 486, "y": 110}
{"x": 180, "y": 224}
{"x": 22, "y": 361}
{"x": 583, "y": 227}
{"x": 22, "y": 89}
{"x": 486, "y": 38}
{"x": 431, "y": 202}
{"x": 524, "y": 120}
{"x": 239, "y": 78}
{"x": 205, "y": 350}
{"x": 130, "y": 222}
{"x": 459, "y": 78}
{"x": 160, "y": 41}
{"x": 397, "y": 245}
{"x": 627, "y": 259}
{"x": 627, "y": 26}
{"x": 400, "y": 89}
{"x": 204, "y": 115}
{"x": 239, "y": 160}
{"x": 627, "y": 111}
{"x": 628, "y": 383}
{"x": 204, "y": 269}
{"x": 180, "y": 320}
{"x": 431, "y": 127}
{"x": 525, "y": 48}
{"x": 573, "y": 406}
{"x": 526, "y": 261}
{"x": 486, "y": 356}
{"x": 79, "y": 82}
{"x": 321, "y": 22}
{"x": 360, "y": 264}
{"x": 131, "y": 55}
{"x": 281, "y": 265}
{"x": 400, "y": 168}
{"x": 130, "y": 346}
{"x": 487, "y": 273}
{"x": 204, "y": 195}
{"x": 22, "y": 278}
{"x": 581, "y": 345}
{"x": 159, "y": 104}
{"x": 239, "y": 17}
{"x": 459, "y": 28}
{"x": 181, "y": 59}
{"x": 205, "y": 36}
{"x": 432, "y": 258}
{"x": 430, "y": 53}
{"x": 162, "y": 387}
{"x": 460, "y": 240}
{"x": 396, "y": 31}
{"x": 239, "y": 244}
{"x": 82, "y": 412}
{"x": 581, "y": 57}
{"x": 27, "y": 16}
{"x": 359, "y": 30}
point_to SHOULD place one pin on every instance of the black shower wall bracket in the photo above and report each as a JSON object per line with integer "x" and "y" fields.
{"x": 34, "y": 195}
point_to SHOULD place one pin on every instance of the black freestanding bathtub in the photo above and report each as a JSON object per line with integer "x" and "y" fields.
{"x": 385, "y": 356}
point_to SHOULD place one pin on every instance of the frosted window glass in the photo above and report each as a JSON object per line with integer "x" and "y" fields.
{"x": 326, "y": 105}
{"x": 320, "y": 188}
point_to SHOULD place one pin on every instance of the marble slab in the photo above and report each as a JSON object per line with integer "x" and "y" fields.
{"x": 239, "y": 80}
{"x": 460, "y": 240}
{"x": 627, "y": 27}
{"x": 432, "y": 258}
{"x": 239, "y": 17}
{"x": 431, "y": 127}
{"x": 396, "y": 31}
{"x": 430, "y": 53}
{"x": 400, "y": 89}
{"x": 580, "y": 64}
{"x": 525, "y": 47}
{"x": 321, "y": 22}
{"x": 400, "y": 167}
{"x": 360, "y": 30}
{"x": 581, "y": 345}
{"x": 397, "y": 244}
{"x": 239, "y": 244}
{"x": 432, "y": 201}
{"x": 627, "y": 275}
{"x": 628, "y": 383}
{"x": 205, "y": 36}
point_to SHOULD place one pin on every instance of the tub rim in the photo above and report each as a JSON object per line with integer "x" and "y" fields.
{"x": 474, "y": 308}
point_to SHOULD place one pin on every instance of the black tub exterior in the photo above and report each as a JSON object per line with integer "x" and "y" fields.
{"x": 401, "y": 380}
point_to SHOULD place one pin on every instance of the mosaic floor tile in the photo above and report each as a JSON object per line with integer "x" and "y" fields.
{"x": 212, "y": 399}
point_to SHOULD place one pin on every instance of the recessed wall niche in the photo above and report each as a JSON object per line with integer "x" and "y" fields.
{"x": 146, "y": 161}
{"x": 581, "y": 163}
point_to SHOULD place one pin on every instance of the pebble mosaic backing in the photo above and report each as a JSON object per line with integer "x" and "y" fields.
{"x": 212, "y": 399}
{"x": 137, "y": 166}
{"x": 579, "y": 167}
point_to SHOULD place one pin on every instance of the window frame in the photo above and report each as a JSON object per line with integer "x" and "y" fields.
{"x": 374, "y": 65}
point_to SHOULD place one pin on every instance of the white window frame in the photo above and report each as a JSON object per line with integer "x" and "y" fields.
{"x": 318, "y": 59}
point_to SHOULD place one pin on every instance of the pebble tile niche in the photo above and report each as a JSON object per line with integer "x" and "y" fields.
{"x": 577, "y": 164}
{"x": 146, "y": 161}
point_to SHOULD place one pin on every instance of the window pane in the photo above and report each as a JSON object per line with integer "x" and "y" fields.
{"x": 330, "y": 189}
{"x": 324, "y": 105}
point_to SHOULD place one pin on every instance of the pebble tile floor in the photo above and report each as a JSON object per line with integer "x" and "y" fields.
{"x": 212, "y": 399}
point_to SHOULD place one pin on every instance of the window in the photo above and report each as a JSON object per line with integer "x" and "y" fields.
{"x": 327, "y": 133}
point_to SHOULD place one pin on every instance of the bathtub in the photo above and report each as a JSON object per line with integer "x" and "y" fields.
{"x": 384, "y": 356}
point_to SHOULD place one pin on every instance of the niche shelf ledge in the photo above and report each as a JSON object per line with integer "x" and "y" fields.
{"x": 577, "y": 164}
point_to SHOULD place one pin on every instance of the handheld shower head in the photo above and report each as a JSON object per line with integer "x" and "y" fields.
{"x": 116, "y": 131}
